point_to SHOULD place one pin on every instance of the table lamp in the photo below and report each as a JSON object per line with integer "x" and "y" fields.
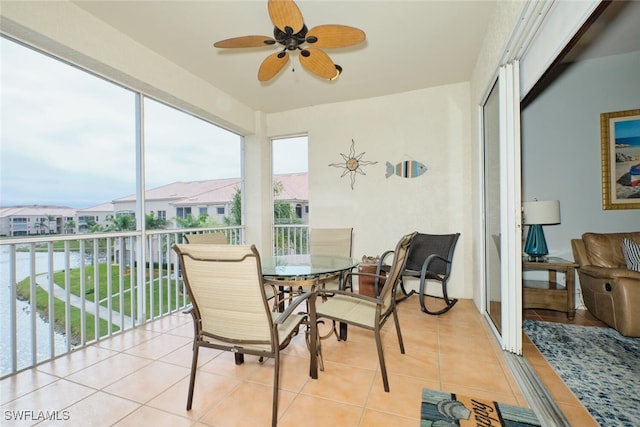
{"x": 537, "y": 214}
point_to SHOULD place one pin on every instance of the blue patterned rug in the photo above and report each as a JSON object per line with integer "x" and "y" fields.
{"x": 599, "y": 365}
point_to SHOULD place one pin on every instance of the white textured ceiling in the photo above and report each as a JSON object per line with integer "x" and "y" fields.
{"x": 410, "y": 45}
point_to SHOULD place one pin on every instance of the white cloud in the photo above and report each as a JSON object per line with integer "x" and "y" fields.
{"x": 68, "y": 135}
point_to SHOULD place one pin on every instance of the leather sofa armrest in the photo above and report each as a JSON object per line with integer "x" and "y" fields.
{"x": 609, "y": 273}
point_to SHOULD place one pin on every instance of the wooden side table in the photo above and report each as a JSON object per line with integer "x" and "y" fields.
{"x": 547, "y": 294}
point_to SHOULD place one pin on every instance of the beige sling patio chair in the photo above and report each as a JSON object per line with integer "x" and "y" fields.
{"x": 219, "y": 238}
{"x": 365, "y": 312}
{"x": 216, "y": 238}
{"x": 333, "y": 242}
{"x": 230, "y": 309}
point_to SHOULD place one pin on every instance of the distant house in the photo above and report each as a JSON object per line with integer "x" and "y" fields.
{"x": 176, "y": 200}
{"x": 36, "y": 220}
{"x": 212, "y": 197}
{"x": 87, "y": 219}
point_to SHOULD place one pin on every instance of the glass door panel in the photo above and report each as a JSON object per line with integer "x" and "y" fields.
{"x": 491, "y": 118}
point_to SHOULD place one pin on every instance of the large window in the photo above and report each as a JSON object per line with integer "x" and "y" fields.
{"x": 290, "y": 195}
{"x": 69, "y": 139}
{"x": 189, "y": 161}
{"x": 290, "y": 180}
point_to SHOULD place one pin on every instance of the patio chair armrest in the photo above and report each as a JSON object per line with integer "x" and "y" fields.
{"x": 382, "y": 267}
{"x": 351, "y": 295}
{"x": 293, "y": 305}
{"x": 382, "y": 258}
{"x": 427, "y": 263}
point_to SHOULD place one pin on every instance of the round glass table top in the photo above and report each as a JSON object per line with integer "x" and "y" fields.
{"x": 304, "y": 265}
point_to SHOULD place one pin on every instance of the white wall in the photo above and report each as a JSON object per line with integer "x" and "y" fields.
{"x": 561, "y": 146}
{"x": 430, "y": 126}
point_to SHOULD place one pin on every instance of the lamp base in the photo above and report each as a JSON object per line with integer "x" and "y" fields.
{"x": 536, "y": 245}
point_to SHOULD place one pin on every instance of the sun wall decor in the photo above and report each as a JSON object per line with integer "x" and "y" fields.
{"x": 352, "y": 164}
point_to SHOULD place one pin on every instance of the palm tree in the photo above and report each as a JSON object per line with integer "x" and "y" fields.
{"x": 122, "y": 222}
{"x": 69, "y": 226}
{"x": 154, "y": 223}
{"x": 235, "y": 217}
{"x": 190, "y": 221}
{"x": 283, "y": 213}
{"x": 41, "y": 226}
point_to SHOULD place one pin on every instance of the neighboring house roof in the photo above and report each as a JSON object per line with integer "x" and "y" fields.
{"x": 214, "y": 191}
{"x": 103, "y": 207}
{"x": 37, "y": 210}
{"x": 295, "y": 186}
{"x": 188, "y": 193}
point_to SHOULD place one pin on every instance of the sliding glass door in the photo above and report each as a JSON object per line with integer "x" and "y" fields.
{"x": 491, "y": 122}
{"x": 502, "y": 219}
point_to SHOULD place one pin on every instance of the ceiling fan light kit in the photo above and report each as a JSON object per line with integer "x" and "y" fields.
{"x": 291, "y": 32}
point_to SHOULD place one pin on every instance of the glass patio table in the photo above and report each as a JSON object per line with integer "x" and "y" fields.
{"x": 304, "y": 267}
{"x": 298, "y": 271}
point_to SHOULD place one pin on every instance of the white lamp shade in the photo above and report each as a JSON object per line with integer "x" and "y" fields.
{"x": 541, "y": 212}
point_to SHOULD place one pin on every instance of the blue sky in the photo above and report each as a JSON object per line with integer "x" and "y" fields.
{"x": 68, "y": 138}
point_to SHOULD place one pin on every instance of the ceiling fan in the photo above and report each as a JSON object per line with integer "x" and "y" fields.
{"x": 291, "y": 32}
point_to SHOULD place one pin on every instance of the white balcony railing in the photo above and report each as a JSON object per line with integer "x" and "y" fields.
{"x": 62, "y": 292}
{"x": 290, "y": 239}
{"x": 59, "y": 293}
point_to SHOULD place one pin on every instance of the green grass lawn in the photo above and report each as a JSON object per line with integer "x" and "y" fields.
{"x": 163, "y": 292}
{"x": 42, "y": 307}
{"x": 74, "y": 246}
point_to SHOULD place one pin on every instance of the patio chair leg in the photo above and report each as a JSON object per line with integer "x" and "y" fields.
{"x": 449, "y": 302}
{"x": 397, "y": 323}
{"x": 192, "y": 379}
{"x": 404, "y": 292}
{"x": 383, "y": 368}
{"x": 313, "y": 339}
{"x": 342, "y": 336}
{"x": 276, "y": 376}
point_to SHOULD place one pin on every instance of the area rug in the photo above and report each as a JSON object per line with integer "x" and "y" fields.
{"x": 442, "y": 409}
{"x": 599, "y": 365}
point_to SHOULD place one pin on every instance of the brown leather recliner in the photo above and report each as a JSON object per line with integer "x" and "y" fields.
{"x": 610, "y": 291}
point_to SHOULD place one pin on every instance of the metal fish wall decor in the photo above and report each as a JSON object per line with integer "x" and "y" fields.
{"x": 406, "y": 169}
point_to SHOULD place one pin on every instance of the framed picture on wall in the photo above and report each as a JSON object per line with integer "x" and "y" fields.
{"x": 620, "y": 139}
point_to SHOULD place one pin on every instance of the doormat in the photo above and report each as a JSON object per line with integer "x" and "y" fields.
{"x": 442, "y": 409}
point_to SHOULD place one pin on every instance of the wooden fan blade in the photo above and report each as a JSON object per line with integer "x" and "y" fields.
{"x": 272, "y": 65}
{"x": 335, "y": 36}
{"x": 246, "y": 41}
{"x": 318, "y": 63}
{"x": 285, "y": 13}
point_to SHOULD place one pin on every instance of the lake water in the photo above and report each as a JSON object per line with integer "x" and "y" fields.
{"x": 23, "y": 311}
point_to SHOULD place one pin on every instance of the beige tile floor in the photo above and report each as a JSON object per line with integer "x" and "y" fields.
{"x": 140, "y": 378}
